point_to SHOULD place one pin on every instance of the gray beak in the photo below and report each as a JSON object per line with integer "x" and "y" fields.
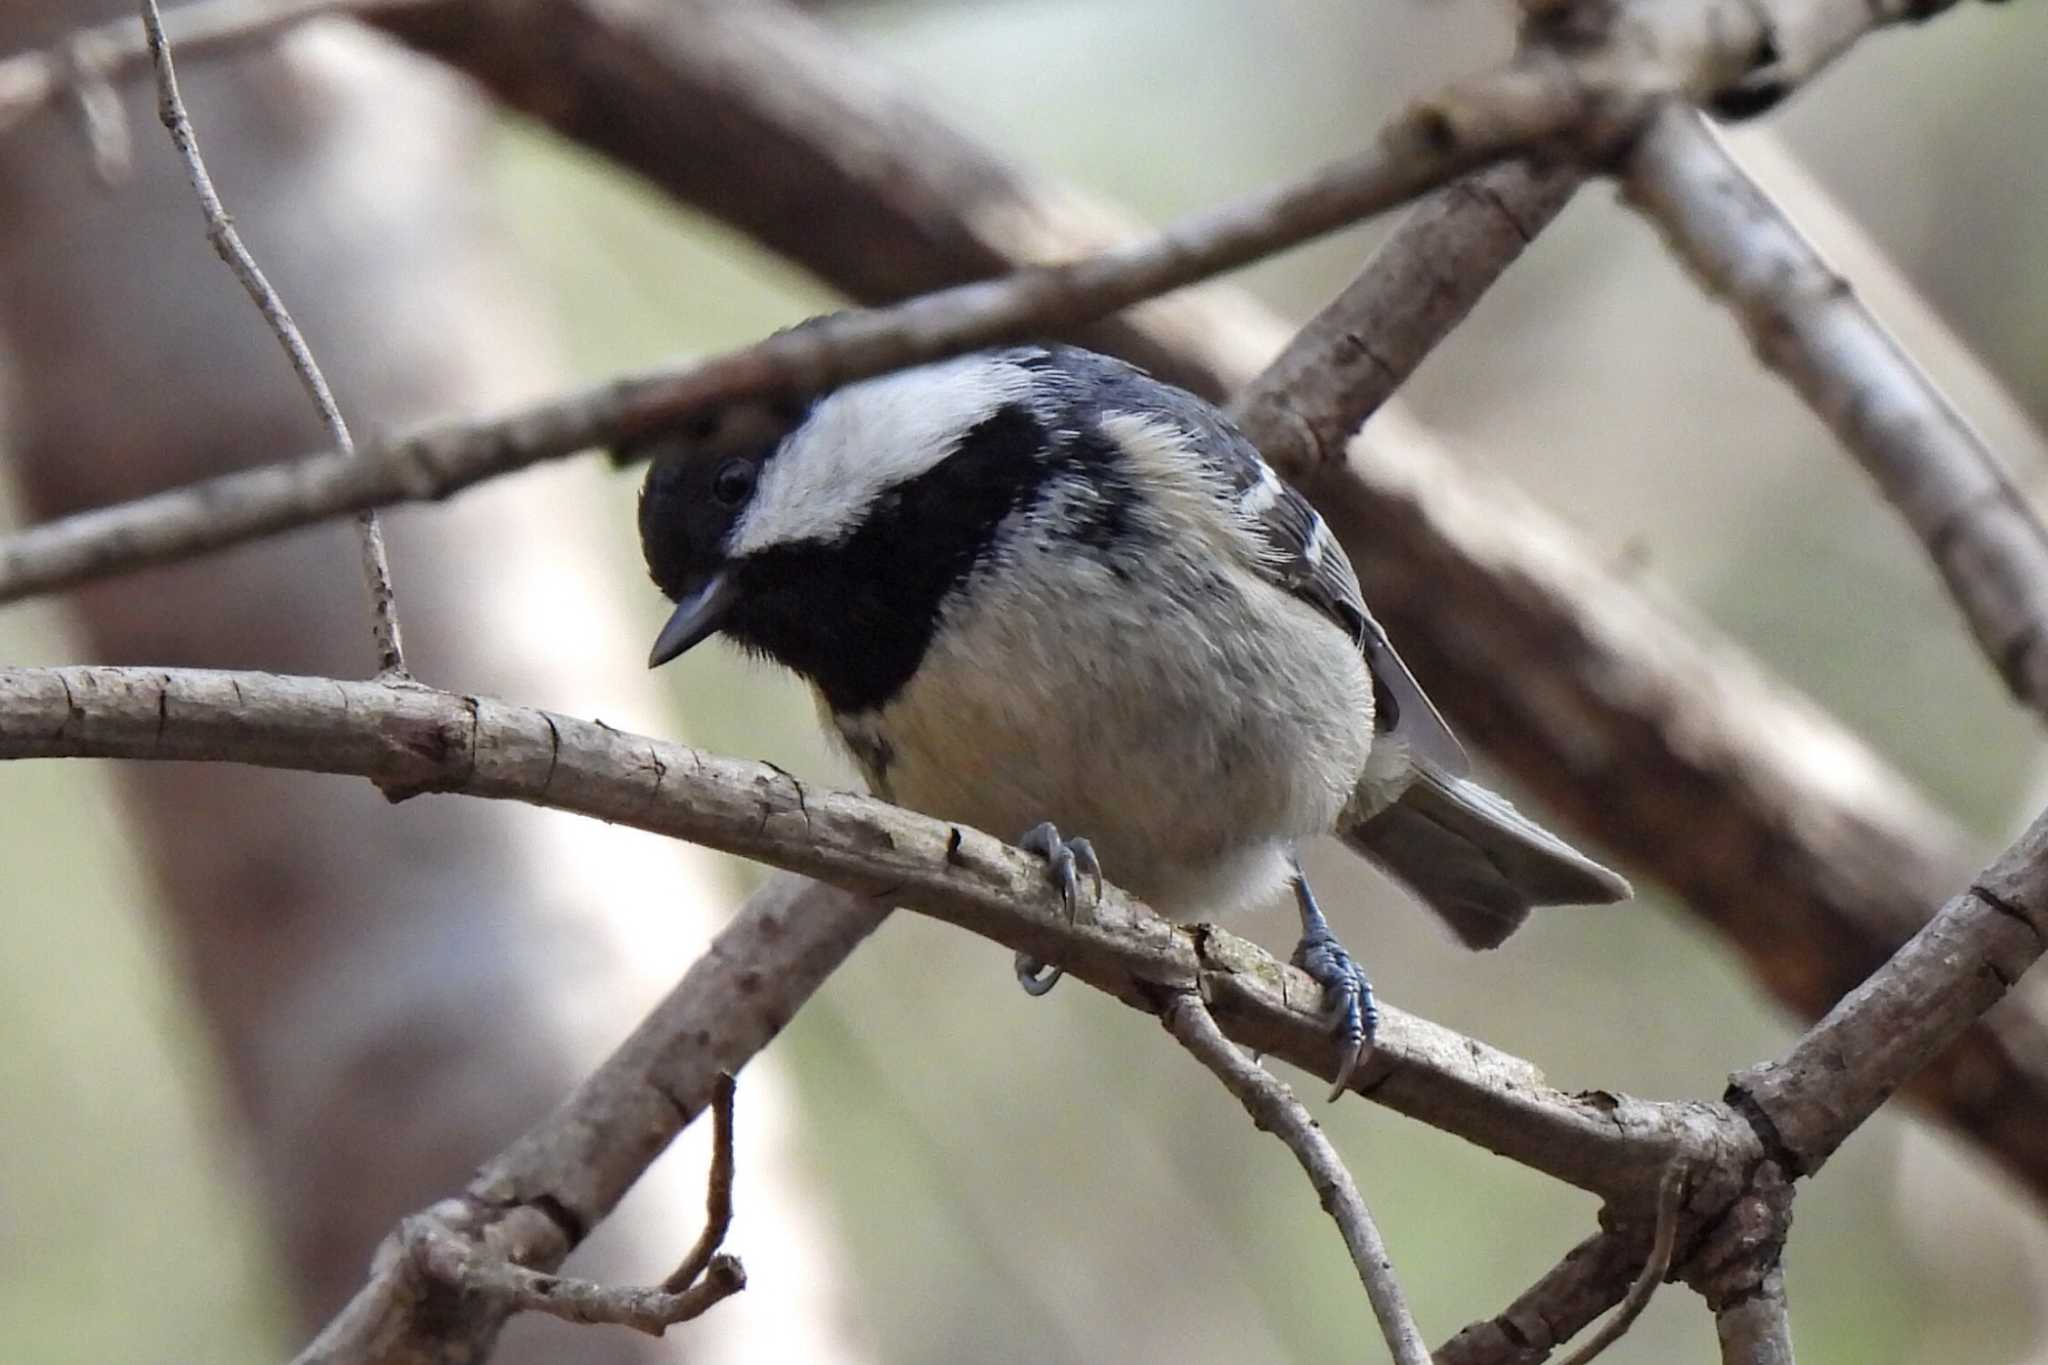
{"x": 697, "y": 615}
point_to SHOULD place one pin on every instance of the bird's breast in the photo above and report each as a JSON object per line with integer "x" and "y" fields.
{"x": 1192, "y": 729}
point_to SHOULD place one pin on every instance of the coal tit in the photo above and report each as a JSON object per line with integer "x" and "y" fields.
{"x": 1035, "y": 589}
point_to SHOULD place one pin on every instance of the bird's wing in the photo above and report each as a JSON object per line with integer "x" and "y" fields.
{"x": 1289, "y": 540}
{"x": 1301, "y": 554}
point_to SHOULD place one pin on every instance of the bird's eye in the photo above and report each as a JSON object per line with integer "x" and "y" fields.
{"x": 733, "y": 481}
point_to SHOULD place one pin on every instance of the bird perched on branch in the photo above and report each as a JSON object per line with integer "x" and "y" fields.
{"x": 1037, "y": 590}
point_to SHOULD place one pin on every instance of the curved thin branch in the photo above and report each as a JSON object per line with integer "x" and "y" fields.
{"x": 717, "y": 1193}
{"x": 1274, "y": 1109}
{"x": 1670, "y": 1196}
{"x": 455, "y": 1262}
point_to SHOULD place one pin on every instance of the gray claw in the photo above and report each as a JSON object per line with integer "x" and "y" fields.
{"x": 1068, "y": 860}
{"x": 1035, "y": 977}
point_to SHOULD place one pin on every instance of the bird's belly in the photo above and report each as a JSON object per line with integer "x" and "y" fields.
{"x": 1192, "y": 758}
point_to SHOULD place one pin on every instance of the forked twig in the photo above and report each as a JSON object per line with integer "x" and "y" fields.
{"x": 454, "y": 1260}
{"x": 706, "y": 1276}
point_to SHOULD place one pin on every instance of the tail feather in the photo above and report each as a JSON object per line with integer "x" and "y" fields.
{"x": 1476, "y": 860}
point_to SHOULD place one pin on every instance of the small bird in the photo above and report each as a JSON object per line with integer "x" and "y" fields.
{"x": 1035, "y": 589}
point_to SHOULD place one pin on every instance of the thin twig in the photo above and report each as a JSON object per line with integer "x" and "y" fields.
{"x": 30, "y": 80}
{"x": 1275, "y": 1110}
{"x": 461, "y": 1265}
{"x": 717, "y": 1192}
{"x": 227, "y": 243}
{"x": 462, "y": 1259}
{"x": 1670, "y": 1196}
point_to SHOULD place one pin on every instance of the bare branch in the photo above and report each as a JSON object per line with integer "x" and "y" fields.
{"x": 416, "y": 739}
{"x": 424, "y": 749}
{"x": 1829, "y": 856}
{"x": 1908, "y": 1013}
{"x": 1670, "y": 1195}
{"x": 412, "y": 738}
{"x": 807, "y": 359}
{"x": 1586, "y": 103}
{"x": 533, "y": 1203}
{"x": 1807, "y": 324}
{"x": 1756, "y": 1330}
{"x": 1444, "y": 254}
{"x": 1275, "y": 1110}
{"x": 1592, "y": 1278}
{"x": 228, "y": 244}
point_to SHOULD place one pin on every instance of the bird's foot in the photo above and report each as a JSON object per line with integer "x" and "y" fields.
{"x": 1347, "y": 993}
{"x": 1068, "y": 860}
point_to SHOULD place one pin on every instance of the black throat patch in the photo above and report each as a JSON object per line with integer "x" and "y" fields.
{"x": 855, "y": 616}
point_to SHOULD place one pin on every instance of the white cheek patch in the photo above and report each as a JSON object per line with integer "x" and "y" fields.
{"x": 867, "y": 438}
